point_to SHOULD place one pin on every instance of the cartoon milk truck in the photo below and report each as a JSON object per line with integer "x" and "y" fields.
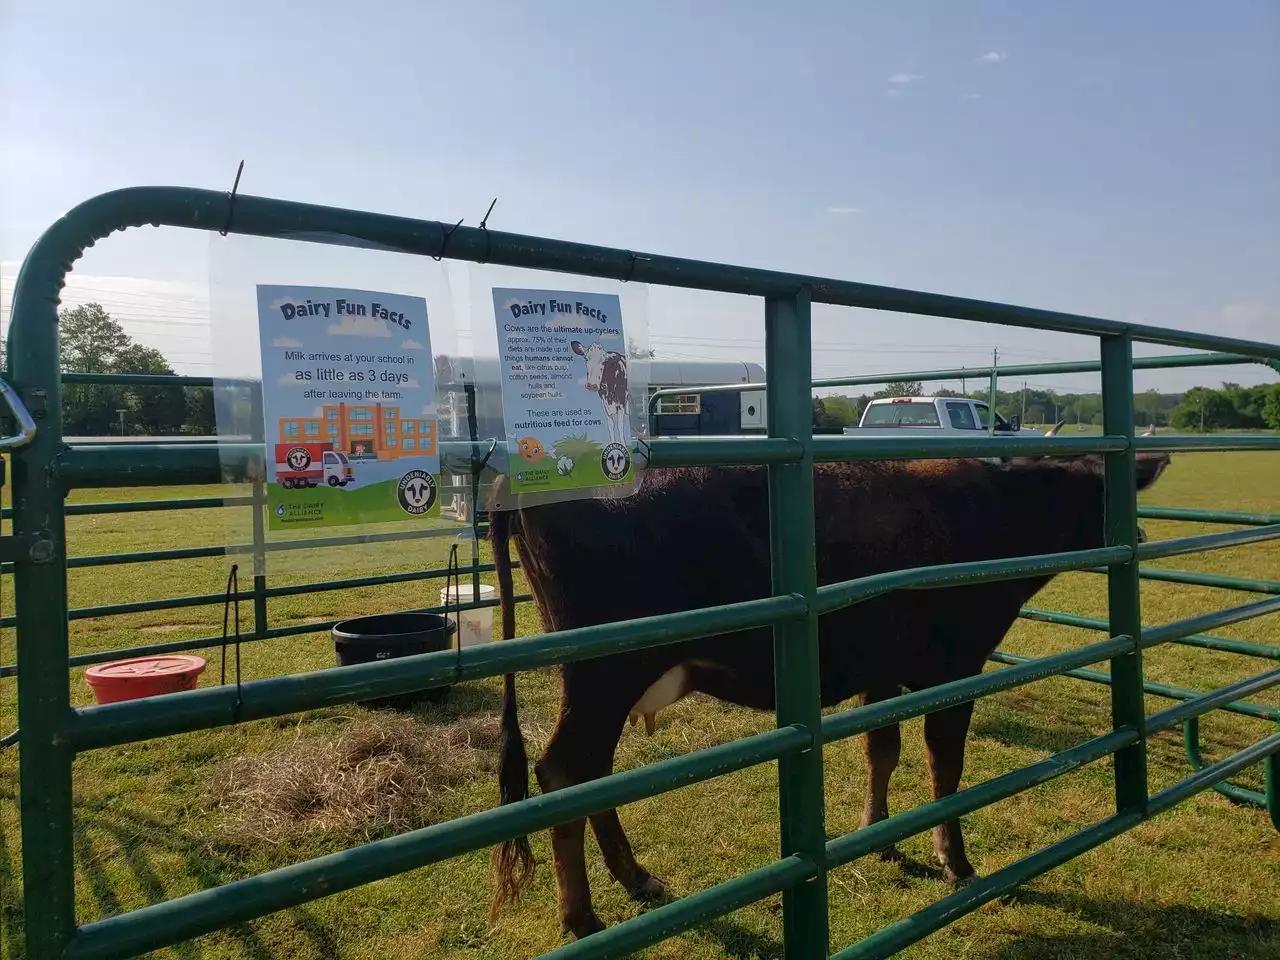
{"x": 301, "y": 465}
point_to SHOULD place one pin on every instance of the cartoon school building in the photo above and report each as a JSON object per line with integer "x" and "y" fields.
{"x": 371, "y": 431}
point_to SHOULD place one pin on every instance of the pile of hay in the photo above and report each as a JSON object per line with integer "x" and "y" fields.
{"x": 383, "y": 773}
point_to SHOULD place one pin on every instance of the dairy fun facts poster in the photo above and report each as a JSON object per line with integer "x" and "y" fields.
{"x": 564, "y": 388}
{"x": 349, "y": 400}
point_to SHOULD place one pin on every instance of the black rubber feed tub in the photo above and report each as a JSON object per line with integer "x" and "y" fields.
{"x": 386, "y": 636}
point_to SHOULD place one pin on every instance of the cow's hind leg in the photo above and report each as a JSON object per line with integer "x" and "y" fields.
{"x": 944, "y": 735}
{"x": 581, "y": 749}
{"x": 883, "y": 747}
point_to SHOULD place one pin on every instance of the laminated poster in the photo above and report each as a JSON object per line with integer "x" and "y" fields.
{"x": 349, "y": 400}
{"x": 564, "y": 389}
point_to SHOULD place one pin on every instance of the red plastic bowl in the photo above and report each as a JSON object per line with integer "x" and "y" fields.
{"x": 143, "y": 677}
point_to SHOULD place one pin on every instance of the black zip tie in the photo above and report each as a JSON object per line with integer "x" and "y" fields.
{"x": 232, "y": 597}
{"x": 484, "y": 225}
{"x": 231, "y": 200}
{"x": 453, "y": 575}
{"x": 632, "y": 269}
{"x": 444, "y": 244}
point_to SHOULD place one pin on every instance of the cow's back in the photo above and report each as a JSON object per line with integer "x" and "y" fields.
{"x": 694, "y": 538}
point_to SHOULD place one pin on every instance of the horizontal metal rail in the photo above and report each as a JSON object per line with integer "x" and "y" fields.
{"x": 172, "y": 921}
{"x": 1158, "y": 549}
{"x": 670, "y": 919}
{"x": 1257, "y": 711}
{"x": 1193, "y": 443}
{"x": 898, "y": 827}
{"x": 118, "y": 723}
{"x": 1190, "y": 709}
{"x": 1191, "y": 578}
{"x": 218, "y": 599}
{"x": 920, "y": 924}
{"x": 148, "y": 506}
{"x": 1209, "y": 621}
{"x": 1209, "y": 516}
{"x": 272, "y": 633}
{"x": 838, "y": 726}
{"x": 1223, "y": 644}
{"x": 833, "y": 596}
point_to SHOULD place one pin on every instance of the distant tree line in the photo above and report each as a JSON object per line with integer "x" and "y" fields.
{"x": 1232, "y": 407}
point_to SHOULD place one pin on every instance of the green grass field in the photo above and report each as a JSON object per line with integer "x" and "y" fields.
{"x": 153, "y": 822}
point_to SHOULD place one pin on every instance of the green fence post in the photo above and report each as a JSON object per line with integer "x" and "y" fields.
{"x": 1127, "y": 708}
{"x": 791, "y": 529}
{"x": 40, "y": 599}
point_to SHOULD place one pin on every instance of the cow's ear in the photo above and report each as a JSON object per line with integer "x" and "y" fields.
{"x": 577, "y": 348}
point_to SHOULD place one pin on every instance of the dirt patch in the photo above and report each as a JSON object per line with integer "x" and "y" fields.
{"x": 382, "y": 774}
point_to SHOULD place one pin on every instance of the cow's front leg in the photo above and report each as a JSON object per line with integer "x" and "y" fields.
{"x": 944, "y": 735}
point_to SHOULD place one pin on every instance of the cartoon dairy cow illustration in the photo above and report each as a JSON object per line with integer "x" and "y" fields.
{"x": 607, "y": 378}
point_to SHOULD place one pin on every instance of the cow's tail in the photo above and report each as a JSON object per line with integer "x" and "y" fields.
{"x": 513, "y": 860}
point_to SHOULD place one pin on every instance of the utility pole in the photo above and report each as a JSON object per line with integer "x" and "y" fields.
{"x": 1202, "y": 414}
{"x": 121, "y": 414}
{"x": 1024, "y": 400}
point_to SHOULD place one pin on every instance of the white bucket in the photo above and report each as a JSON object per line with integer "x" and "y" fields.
{"x": 477, "y": 625}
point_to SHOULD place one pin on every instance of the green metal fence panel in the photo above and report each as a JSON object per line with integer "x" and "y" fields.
{"x": 52, "y": 732}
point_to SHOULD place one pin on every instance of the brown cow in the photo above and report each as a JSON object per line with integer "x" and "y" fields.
{"x": 693, "y": 538}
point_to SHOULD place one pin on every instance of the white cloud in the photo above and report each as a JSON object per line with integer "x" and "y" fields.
{"x": 972, "y": 96}
{"x": 283, "y": 301}
{"x": 902, "y": 78}
{"x": 286, "y": 342}
{"x": 411, "y": 384}
{"x": 289, "y": 380}
{"x": 995, "y": 56}
{"x": 844, "y": 210}
{"x": 360, "y": 327}
{"x": 411, "y": 345}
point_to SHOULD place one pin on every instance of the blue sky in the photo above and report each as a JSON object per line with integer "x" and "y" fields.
{"x": 1113, "y": 159}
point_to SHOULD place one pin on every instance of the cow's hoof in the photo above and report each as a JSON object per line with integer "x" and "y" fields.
{"x": 891, "y": 854}
{"x": 582, "y": 925}
{"x": 958, "y": 878}
{"x": 648, "y": 890}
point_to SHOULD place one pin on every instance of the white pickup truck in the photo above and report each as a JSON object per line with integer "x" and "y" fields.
{"x": 930, "y": 416}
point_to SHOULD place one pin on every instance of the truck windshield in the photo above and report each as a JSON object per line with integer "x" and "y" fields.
{"x": 911, "y": 414}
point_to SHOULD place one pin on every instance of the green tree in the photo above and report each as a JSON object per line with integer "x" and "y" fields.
{"x": 900, "y": 388}
{"x": 92, "y": 342}
{"x": 1271, "y": 407}
{"x": 1204, "y": 408}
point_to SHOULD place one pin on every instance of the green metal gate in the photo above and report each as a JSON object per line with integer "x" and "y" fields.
{"x": 45, "y": 469}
